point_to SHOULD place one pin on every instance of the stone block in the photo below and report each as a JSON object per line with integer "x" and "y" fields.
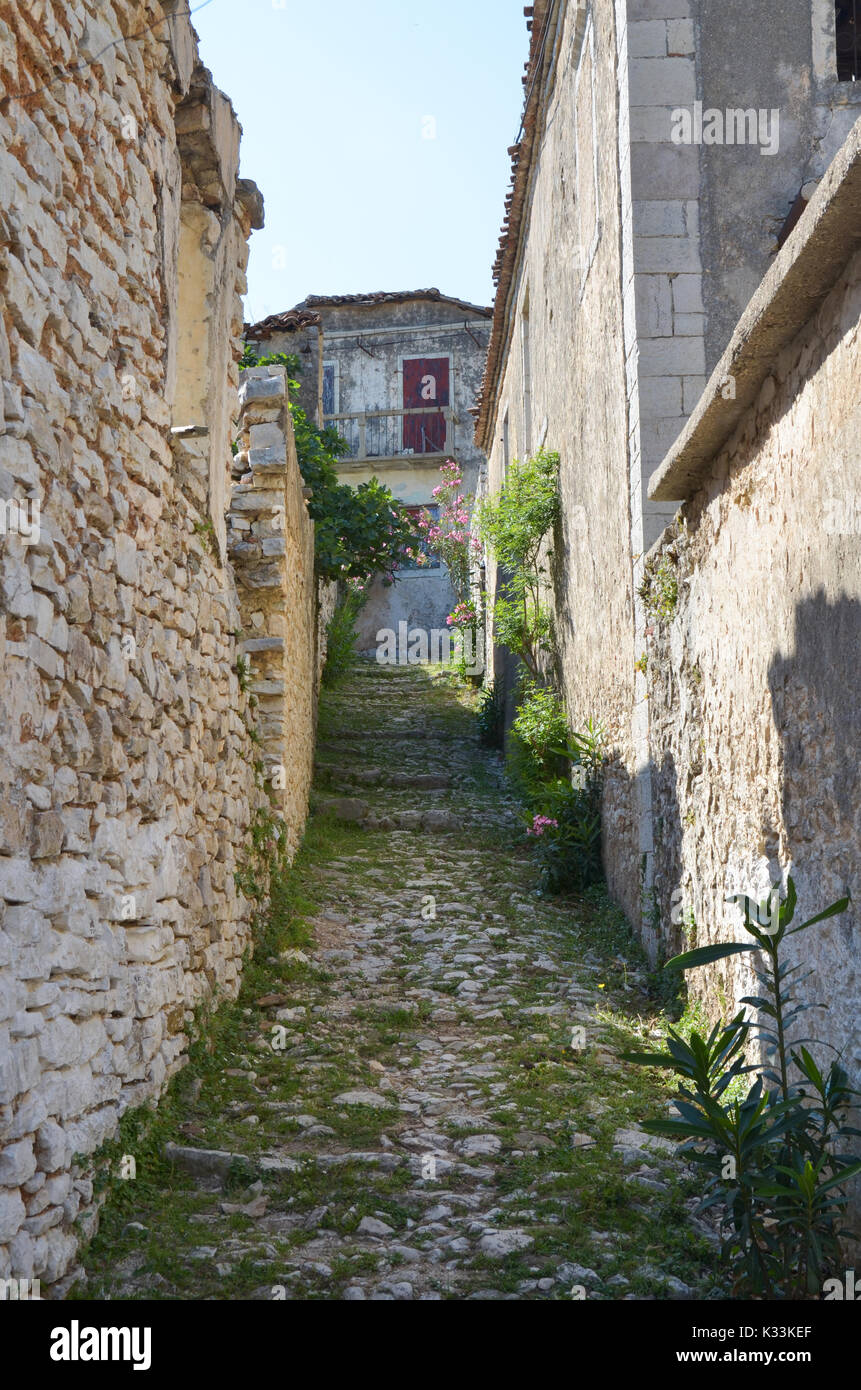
{"x": 662, "y": 82}
{"x": 647, "y": 39}
{"x": 17, "y": 1163}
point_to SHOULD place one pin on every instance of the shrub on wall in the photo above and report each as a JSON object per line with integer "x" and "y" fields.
{"x": 556, "y": 772}
{"x": 341, "y": 633}
{"x": 513, "y": 525}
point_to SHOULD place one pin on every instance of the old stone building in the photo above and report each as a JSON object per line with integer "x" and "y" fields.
{"x": 397, "y": 375}
{"x": 672, "y": 153}
{"x": 127, "y": 781}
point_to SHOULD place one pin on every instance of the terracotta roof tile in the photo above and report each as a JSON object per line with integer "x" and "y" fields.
{"x": 391, "y": 297}
{"x": 288, "y": 322}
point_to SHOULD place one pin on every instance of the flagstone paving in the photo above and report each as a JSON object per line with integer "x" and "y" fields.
{"x": 418, "y": 1094}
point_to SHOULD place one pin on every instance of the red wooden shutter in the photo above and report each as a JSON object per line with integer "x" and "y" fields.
{"x": 426, "y": 383}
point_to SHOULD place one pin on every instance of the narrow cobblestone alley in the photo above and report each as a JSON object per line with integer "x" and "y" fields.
{"x": 393, "y": 1108}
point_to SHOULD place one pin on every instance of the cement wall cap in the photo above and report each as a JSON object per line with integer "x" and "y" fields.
{"x": 805, "y": 270}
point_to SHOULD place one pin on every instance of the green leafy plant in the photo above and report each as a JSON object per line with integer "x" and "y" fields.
{"x": 264, "y": 859}
{"x": 341, "y": 636}
{"x": 206, "y": 531}
{"x": 538, "y": 737}
{"x": 568, "y": 845}
{"x": 659, "y": 589}
{"x": 773, "y": 1151}
{"x": 490, "y": 714}
{"x": 513, "y": 524}
{"x": 243, "y": 673}
{"x": 291, "y": 361}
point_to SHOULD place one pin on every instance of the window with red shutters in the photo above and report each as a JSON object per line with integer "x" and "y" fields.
{"x": 426, "y": 384}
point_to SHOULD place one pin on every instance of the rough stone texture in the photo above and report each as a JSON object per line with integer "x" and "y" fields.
{"x": 271, "y": 545}
{"x": 622, "y": 272}
{"x": 755, "y": 713}
{"x": 126, "y": 777}
{"x": 569, "y": 313}
{"x": 457, "y": 1150}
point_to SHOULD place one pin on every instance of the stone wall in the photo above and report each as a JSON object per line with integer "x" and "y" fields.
{"x": 563, "y": 386}
{"x": 753, "y": 682}
{"x": 271, "y": 546}
{"x": 624, "y": 261}
{"x": 126, "y": 768}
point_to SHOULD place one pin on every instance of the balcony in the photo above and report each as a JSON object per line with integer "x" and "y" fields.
{"x": 394, "y": 435}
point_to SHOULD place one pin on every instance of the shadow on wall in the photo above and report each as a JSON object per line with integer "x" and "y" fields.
{"x": 816, "y": 698}
{"x": 662, "y": 937}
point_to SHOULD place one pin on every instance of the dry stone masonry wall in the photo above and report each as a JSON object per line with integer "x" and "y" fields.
{"x": 754, "y": 695}
{"x": 271, "y": 543}
{"x": 127, "y": 782}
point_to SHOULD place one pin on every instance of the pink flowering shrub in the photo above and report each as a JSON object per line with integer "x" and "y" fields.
{"x": 463, "y": 616}
{"x": 542, "y": 823}
{"x": 451, "y": 538}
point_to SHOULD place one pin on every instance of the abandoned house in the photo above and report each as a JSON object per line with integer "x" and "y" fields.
{"x": 397, "y": 375}
{"x": 679, "y": 289}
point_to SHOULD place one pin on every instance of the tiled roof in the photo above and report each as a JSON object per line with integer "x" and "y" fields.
{"x": 538, "y": 17}
{"x": 314, "y": 301}
{"x": 305, "y": 315}
{"x": 288, "y": 322}
{"x": 397, "y": 296}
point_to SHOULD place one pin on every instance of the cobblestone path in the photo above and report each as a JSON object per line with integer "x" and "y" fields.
{"x": 418, "y": 1094}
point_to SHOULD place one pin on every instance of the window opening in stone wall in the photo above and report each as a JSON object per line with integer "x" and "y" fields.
{"x": 848, "y": 40}
{"x": 431, "y": 562}
{"x": 330, "y": 388}
{"x": 506, "y": 444}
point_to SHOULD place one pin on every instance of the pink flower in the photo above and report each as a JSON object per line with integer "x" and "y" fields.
{"x": 542, "y": 823}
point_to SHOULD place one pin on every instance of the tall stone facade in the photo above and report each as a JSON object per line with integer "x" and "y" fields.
{"x": 633, "y": 241}
{"x": 127, "y": 782}
{"x": 754, "y": 695}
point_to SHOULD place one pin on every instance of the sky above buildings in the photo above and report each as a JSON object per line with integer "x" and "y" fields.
{"x": 377, "y": 131}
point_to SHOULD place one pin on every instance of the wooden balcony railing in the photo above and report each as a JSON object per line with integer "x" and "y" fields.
{"x": 391, "y": 434}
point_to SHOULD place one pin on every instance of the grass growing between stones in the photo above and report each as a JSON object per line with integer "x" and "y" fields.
{"x": 484, "y": 1156}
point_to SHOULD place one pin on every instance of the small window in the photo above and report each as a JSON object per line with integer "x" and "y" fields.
{"x": 330, "y": 388}
{"x": 506, "y": 444}
{"x": 848, "y": 45}
{"x": 433, "y": 561}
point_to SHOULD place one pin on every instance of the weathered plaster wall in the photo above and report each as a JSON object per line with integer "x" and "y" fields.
{"x": 126, "y": 779}
{"x": 754, "y": 695}
{"x": 567, "y": 324}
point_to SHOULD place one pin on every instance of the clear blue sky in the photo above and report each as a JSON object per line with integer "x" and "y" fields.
{"x": 336, "y": 99}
